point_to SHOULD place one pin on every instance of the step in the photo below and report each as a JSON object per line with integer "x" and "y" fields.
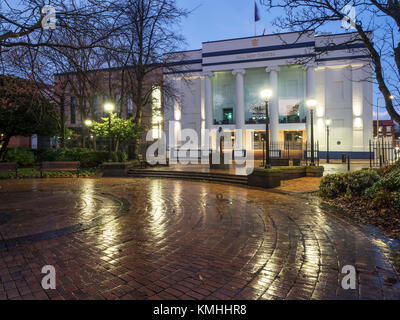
{"x": 185, "y": 175}
{"x": 188, "y": 173}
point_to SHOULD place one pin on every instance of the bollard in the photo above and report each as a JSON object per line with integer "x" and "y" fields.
{"x": 348, "y": 163}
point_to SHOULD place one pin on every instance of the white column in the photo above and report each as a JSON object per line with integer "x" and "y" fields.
{"x": 239, "y": 97}
{"x": 310, "y": 92}
{"x": 208, "y": 99}
{"x": 274, "y": 102}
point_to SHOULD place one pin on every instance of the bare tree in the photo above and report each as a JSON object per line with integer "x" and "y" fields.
{"x": 71, "y": 49}
{"x": 22, "y": 24}
{"x": 151, "y": 30}
{"x": 373, "y": 17}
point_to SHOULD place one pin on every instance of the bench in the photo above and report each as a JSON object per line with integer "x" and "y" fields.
{"x": 59, "y": 166}
{"x": 9, "y": 167}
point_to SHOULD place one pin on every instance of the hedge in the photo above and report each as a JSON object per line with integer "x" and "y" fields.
{"x": 35, "y": 173}
{"x": 87, "y": 158}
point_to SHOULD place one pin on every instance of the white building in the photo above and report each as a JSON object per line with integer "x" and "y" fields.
{"x": 220, "y": 84}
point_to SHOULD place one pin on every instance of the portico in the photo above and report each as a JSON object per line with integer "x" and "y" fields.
{"x": 227, "y": 77}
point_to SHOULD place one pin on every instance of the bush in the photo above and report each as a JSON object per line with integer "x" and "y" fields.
{"x": 389, "y": 169}
{"x": 388, "y": 183}
{"x": 332, "y": 186}
{"x": 46, "y": 155}
{"x": 93, "y": 159}
{"x": 352, "y": 184}
{"x": 359, "y": 181}
{"x": 23, "y": 156}
{"x": 90, "y": 158}
{"x": 35, "y": 173}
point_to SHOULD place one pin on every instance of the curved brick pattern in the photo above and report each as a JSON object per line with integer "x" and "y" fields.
{"x": 185, "y": 240}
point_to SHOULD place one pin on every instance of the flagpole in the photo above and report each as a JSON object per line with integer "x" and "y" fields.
{"x": 255, "y": 22}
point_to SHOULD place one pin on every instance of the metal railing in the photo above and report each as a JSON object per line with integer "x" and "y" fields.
{"x": 383, "y": 153}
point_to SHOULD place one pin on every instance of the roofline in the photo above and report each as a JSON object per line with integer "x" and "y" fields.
{"x": 339, "y": 34}
{"x": 182, "y": 51}
{"x": 260, "y": 36}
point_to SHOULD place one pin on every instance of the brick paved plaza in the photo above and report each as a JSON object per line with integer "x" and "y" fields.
{"x": 170, "y": 239}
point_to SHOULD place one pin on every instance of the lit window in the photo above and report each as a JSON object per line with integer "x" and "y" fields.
{"x": 157, "y": 119}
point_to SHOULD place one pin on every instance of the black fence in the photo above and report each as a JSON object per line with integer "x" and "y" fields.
{"x": 294, "y": 151}
{"x": 383, "y": 153}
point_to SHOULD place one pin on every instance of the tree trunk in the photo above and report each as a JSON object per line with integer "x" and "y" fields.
{"x": 3, "y": 149}
{"x": 62, "y": 119}
{"x": 116, "y": 145}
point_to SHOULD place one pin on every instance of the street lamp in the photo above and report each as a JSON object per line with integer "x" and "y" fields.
{"x": 88, "y": 124}
{"x": 328, "y": 123}
{"x": 266, "y": 95}
{"x": 109, "y": 107}
{"x": 312, "y": 103}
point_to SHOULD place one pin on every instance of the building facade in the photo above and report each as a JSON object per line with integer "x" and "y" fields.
{"x": 85, "y": 94}
{"x": 386, "y": 130}
{"x": 219, "y": 85}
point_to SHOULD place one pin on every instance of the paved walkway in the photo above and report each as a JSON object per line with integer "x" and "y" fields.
{"x": 170, "y": 239}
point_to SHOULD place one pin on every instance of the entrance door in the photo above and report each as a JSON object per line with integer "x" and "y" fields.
{"x": 293, "y": 144}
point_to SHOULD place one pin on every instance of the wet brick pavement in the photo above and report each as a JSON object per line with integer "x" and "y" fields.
{"x": 170, "y": 239}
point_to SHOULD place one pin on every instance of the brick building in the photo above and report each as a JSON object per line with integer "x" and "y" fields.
{"x": 386, "y": 129}
{"x": 85, "y": 94}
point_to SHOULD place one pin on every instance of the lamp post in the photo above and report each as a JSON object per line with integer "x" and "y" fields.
{"x": 266, "y": 95}
{"x": 328, "y": 123}
{"x": 88, "y": 124}
{"x": 311, "y": 103}
{"x": 391, "y": 97}
{"x": 108, "y": 107}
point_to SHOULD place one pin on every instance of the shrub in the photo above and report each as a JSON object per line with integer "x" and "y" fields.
{"x": 46, "y": 155}
{"x": 389, "y": 169}
{"x": 388, "y": 183}
{"x": 90, "y": 158}
{"x": 23, "y": 156}
{"x": 332, "y": 185}
{"x": 93, "y": 159}
{"x": 352, "y": 184}
{"x": 359, "y": 181}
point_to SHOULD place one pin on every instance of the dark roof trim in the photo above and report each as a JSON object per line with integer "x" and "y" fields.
{"x": 260, "y": 49}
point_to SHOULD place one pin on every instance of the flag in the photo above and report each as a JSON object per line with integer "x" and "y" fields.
{"x": 256, "y": 14}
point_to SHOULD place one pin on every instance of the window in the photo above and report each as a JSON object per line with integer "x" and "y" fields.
{"x": 293, "y": 140}
{"x": 228, "y": 116}
{"x": 130, "y": 107}
{"x": 156, "y": 113}
{"x": 223, "y": 95}
{"x": 73, "y": 110}
{"x": 290, "y": 88}
{"x": 259, "y": 138}
{"x": 255, "y": 80}
{"x": 292, "y": 95}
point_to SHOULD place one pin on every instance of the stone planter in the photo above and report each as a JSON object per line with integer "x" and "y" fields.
{"x": 315, "y": 171}
{"x": 290, "y": 174}
{"x": 115, "y": 169}
{"x": 265, "y": 178}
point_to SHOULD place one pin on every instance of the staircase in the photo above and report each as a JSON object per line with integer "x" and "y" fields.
{"x": 189, "y": 175}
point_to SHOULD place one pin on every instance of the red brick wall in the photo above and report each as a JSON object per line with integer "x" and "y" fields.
{"x": 24, "y": 142}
